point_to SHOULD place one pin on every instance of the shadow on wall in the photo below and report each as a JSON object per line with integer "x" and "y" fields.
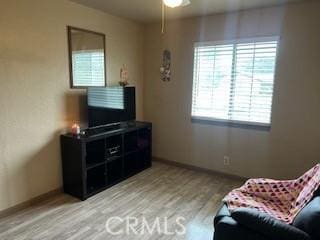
{"x": 41, "y": 172}
{"x": 76, "y": 108}
{"x": 43, "y": 169}
{"x": 4, "y": 176}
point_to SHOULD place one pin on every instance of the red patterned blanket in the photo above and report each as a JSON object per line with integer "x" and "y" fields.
{"x": 281, "y": 199}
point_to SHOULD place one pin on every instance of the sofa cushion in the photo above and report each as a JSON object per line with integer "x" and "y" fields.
{"x": 308, "y": 219}
{"x": 267, "y": 225}
{"x": 223, "y": 212}
{"x": 317, "y": 193}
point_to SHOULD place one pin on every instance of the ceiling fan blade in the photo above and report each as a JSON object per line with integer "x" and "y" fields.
{"x": 185, "y": 3}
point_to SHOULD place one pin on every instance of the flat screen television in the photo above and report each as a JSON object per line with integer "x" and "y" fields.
{"x": 111, "y": 105}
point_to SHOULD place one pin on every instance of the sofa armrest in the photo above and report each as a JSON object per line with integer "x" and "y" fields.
{"x": 223, "y": 212}
{"x": 267, "y": 225}
{"x": 229, "y": 229}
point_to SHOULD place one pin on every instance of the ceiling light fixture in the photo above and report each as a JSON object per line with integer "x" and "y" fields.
{"x": 173, "y": 3}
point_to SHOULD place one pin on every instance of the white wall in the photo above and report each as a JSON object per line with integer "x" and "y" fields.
{"x": 35, "y": 100}
{"x": 292, "y": 144}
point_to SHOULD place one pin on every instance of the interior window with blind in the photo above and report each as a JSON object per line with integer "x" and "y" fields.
{"x": 88, "y": 68}
{"x": 233, "y": 81}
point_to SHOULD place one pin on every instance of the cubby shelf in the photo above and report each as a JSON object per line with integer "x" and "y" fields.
{"x": 93, "y": 163}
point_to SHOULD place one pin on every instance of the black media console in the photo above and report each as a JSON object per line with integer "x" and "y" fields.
{"x": 94, "y": 161}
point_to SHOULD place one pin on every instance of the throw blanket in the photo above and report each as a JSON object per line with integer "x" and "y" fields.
{"x": 282, "y": 200}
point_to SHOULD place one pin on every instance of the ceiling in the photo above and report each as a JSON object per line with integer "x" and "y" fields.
{"x": 150, "y": 10}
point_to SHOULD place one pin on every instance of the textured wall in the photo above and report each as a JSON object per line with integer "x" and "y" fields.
{"x": 291, "y": 146}
{"x": 35, "y": 100}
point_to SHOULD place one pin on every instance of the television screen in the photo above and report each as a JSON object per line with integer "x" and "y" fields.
{"x": 111, "y": 105}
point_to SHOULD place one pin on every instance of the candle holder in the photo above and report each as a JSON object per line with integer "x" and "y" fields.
{"x": 75, "y": 129}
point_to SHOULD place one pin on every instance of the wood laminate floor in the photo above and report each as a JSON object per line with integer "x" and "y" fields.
{"x": 163, "y": 192}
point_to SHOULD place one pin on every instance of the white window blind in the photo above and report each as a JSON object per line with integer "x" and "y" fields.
{"x": 112, "y": 97}
{"x": 234, "y": 81}
{"x": 88, "y": 68}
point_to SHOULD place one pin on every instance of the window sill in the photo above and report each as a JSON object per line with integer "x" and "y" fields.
{"x": 229, "y": 123}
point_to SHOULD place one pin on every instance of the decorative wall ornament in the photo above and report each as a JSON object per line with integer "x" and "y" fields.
{"x": 124, "y": 76}
{"x": 165, "y": 69}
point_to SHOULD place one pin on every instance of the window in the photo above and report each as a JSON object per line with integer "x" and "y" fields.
{"x": 88, "y": 68}
{"x": 233, "y": 81}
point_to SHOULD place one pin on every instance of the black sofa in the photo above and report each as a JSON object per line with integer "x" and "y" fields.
{"x": 249, "y": 224}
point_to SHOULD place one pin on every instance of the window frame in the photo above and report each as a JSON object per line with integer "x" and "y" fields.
{"x": 228, "y": 122}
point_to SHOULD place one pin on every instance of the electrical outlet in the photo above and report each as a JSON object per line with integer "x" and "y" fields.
{"x": 226, "y": 160}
